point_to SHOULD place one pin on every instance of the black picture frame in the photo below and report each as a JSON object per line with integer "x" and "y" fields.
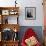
{"x": 30, "y": 13}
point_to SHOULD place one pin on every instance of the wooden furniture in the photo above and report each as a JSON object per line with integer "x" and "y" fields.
{"x": 8, "y": 11}
{"x": 7, "y": 23}
{"x": 10, "y": 43}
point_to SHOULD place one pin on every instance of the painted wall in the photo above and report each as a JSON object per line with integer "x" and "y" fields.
{"x": 26, "y": 3}
{"x": 39, "y": 13}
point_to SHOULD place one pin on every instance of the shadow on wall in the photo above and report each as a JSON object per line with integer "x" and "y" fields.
{"x": 37, "y": 29}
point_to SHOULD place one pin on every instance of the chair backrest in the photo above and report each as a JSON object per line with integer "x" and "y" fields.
{"x": 29, "y": 32}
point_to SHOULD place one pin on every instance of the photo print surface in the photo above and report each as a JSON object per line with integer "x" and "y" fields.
{"x": 30, "y": 13}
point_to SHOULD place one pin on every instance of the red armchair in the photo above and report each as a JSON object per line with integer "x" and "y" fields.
{"x": 29, "y": 33}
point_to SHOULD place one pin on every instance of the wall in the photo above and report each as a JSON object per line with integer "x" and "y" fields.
{"x": 39, "y": 13}
{"x": 27, "y": 3}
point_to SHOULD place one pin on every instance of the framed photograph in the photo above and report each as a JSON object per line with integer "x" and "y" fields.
{"x": 5, "y": 12}
{"x": 30, "y": 13}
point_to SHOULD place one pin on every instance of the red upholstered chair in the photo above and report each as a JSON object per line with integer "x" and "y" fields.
{"x": 29, "y": 33}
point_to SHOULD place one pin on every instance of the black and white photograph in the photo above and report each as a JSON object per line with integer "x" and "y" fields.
{"x": 30, "y": 13}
